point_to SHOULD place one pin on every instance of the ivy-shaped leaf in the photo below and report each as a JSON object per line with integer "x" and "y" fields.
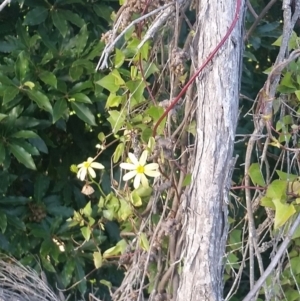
{"x": 283, "y": 212}
{"x": 256, "y": 175}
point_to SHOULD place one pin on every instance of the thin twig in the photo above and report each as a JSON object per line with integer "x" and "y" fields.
{"x": 110, "y": 46}
{"x": 258, "y": 19}
{"x": 274, "y": 261}
{"x": 4, "y": 3}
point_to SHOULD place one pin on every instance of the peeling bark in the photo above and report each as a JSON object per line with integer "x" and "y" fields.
{"x": 217, "y": 113}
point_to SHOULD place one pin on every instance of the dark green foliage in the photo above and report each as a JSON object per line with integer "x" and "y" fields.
{"x": 50, "y": 109}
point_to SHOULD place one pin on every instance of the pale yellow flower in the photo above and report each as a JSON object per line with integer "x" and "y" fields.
{"x": 87, "y": 167}
{"x": 138, "y": 170}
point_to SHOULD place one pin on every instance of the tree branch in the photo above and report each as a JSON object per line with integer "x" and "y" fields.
{"x": 258, "y": 19}
{"x": 4, "y": 3}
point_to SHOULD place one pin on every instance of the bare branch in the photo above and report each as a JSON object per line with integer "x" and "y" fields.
{"x": 259, "y": 18}
{"x": 4, "y": 3}
{"x": 274, "y": 261}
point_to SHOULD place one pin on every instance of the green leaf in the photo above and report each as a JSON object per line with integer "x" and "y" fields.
{"x": 59, "y": 22}
{"x": 298, "y": 94}
{"x": 80, "y": 97}
{"x": 256, "y": 175}
{"x": 125, "y": 210}
{"x": 103, "y": 11}
{"x": 36, "y": 16}
{"x": 29, "y": 148}
{"x": 2, "y": 153}
{"x": 80, "y": 276}
{"x": 83, "y": 112}
{"x": 97, "y": 259}
{"x": 87, "y": 210}
{"x": 3, "y": 221}
{"x": 81, "y": 39}
{"x": 287, "y": 80}
{"x": 267, "y": 202}
{"x": 59, "y": 109}
{"x": 144, "y": 243}
{"x": 4, "y": 80}
{"x": 67, "y": 272}
{"x": 9, "y": 94}
{"x": 187, "y": 180}
{"x": 285, "y": 176}
{"x": 116, "y": 120}
{"x": 75, "y": 72}
{"x": 40, "y": 99}
{"x": 22, "y": 156}
{"x": 277, "y": 189}
{"x": 24, "y": 134}
{"x": 283, "y": 212}
{"x": 86, "y": 233}
{"x": 108, "y": 83}
{"x": 119, "y": 151}
{"x": 82, "y": 86}
{"x": 14, "y": 201}
{"x": 150, "y": 69}
{"x": 135, "y": 199}
{"x": 48, "y": 78}
{"x": 119, "y": 58}
{"x": 47, "y": 265}
{"x": 113, "y": 100}
{"x": 21, "y": 66}
{"x": 22, "y": 34}
{"x": 72, "y": 17}
{"x": 41, "y": 186}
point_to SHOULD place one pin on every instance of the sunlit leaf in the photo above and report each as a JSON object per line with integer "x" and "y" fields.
{"x": 144, "y": 243}
{"x": 256, "y": 175}
{"x": 283, "y": 212}
{"x": 97, "y": 256}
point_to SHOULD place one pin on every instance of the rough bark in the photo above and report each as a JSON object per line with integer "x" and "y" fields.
{"x": 217, "y": 113}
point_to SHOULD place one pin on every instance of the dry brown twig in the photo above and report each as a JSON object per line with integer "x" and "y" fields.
{"x": 18, "y": 283}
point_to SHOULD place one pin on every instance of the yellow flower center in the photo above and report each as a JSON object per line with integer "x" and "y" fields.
{"x": 86, "y": 164}
{"x": 140, "y": 169}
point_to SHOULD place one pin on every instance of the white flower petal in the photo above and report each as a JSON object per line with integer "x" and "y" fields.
{"x": 133, "y": 159}
{"x": 151, "y": 166}
{"x": 91, "y": 172}
{"x": 97, "y": 165}
{"x": 143, "y": 158}
{"x": 90, "y": 160}
{"x": 144, "y": 180}
{"x": 81, "y": 174}
{"x": 128, "y": 166}
{"x": 80, "y": 165}
{"x": 129, "y": 175}
{"x": 152, "y": 173}
{"x": 137, "y": 181}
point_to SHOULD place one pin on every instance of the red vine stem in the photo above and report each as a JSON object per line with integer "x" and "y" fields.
{"x": 210, "y": 57}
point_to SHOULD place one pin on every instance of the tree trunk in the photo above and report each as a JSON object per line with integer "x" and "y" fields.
{"x": 217, "y": 113}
